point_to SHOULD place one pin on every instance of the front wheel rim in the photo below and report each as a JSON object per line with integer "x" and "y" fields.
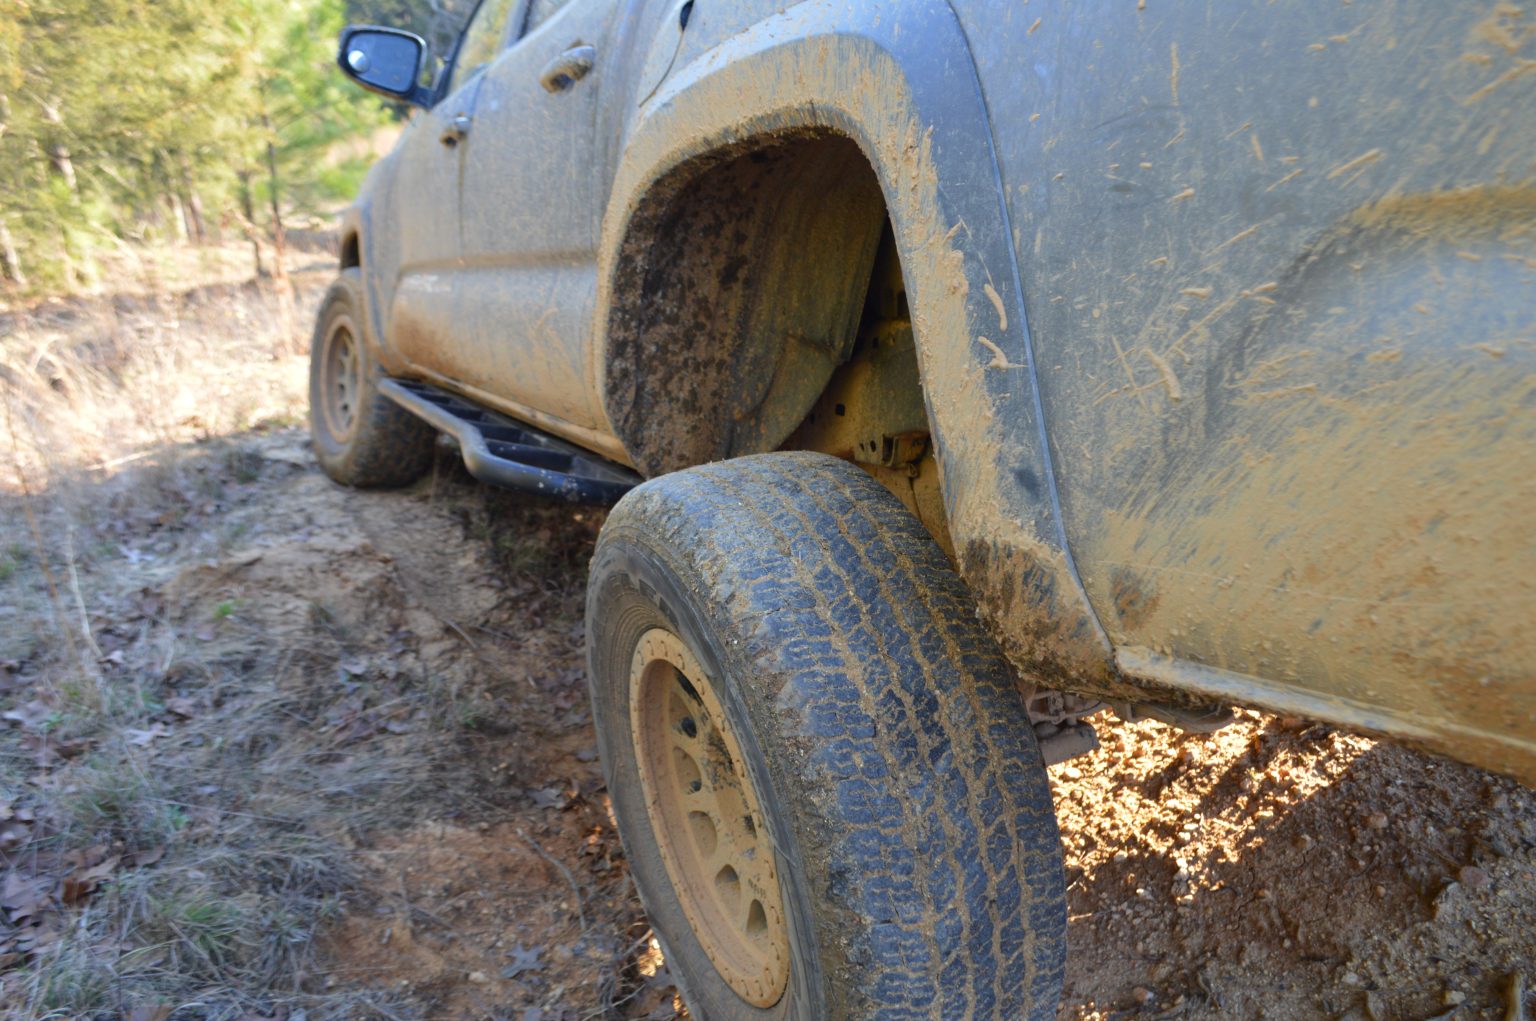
{"x": 340, "y": 378}
{"x": 707, "y": 819}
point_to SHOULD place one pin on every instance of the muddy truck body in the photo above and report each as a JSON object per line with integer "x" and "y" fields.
{"x": 1199, "y": 341}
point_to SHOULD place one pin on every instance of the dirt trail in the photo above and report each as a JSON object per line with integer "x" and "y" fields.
{"x": 1273, "y": 870}
{"x": 500, "y": 890}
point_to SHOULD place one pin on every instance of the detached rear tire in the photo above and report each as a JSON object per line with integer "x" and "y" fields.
{"x": 826, "y": 782}
{"x": 361, "y": 438}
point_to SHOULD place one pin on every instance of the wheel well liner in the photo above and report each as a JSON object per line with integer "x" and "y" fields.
{"x": 351, "y": 252}
{"x": 739, "y": 287}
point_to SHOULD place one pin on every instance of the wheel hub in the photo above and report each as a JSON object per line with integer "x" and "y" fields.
{"x": 708, "y": 819}
{"x": 340, "y": 378}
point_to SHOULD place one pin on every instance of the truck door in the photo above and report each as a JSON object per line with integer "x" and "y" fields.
{"x": 530, "y": 214}
{"x": 426, "y": 198}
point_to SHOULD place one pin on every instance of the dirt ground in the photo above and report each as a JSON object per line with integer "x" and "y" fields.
{"x": 368, "y": 710}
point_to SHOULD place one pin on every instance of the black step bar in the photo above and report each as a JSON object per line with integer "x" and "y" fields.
{"x": 511, "y": 454}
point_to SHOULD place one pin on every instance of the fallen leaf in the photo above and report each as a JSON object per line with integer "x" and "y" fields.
{"x": 147, "y": 604}
{"x": 12, "y": 835}
{"x": 183, "y": 707}
{"x": 31, "y": 716}
{"x": 150, "y": 1012}
{"x": 24, "y": 896}
{"x": 141, "y": 738}
{"x": 141, "y": 859}
{"x": 46, "y": 751}
{"x": 80, "y": 885}
{"x": 523, "y": 960}
{"x": 549, "y": 797}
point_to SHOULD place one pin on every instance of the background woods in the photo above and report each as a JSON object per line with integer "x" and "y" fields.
{"x": 126, "y": 121}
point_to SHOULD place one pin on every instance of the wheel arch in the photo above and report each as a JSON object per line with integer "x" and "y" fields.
{"x": 350, "y": 253}
{"x": 903, "y": 95}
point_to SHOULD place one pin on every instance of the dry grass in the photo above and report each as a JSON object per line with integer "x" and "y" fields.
{"x": 181, "y": 771}
{"x": 193, "y": 767}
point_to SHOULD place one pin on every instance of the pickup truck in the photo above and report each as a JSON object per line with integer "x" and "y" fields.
{"x": 959, "y": 371}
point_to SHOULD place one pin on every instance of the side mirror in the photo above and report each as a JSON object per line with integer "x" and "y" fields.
{"x": 385, "y": 60}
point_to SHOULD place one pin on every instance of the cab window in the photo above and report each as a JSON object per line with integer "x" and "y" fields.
{"x": 482, "y": 40}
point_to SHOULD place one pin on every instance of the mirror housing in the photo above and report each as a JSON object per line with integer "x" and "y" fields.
{"x": 387, "y": 61}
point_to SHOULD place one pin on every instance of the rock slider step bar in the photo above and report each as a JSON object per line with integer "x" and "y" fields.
{"x": 511, "y": 454}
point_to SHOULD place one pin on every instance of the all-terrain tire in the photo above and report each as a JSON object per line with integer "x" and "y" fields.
{"x": 910, "y": 816}
{"x": 361, "y": 438}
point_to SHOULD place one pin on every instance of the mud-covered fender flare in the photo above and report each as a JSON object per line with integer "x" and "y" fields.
{"x": 898, "y": 80}
{"x": 357, "y": 221}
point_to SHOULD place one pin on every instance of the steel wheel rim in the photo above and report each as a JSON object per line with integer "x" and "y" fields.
{"x": 708, "y": 819}
{"x": 340, "y": 378}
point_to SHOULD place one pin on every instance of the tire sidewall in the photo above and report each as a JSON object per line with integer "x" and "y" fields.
{"x": 634, "y": 588}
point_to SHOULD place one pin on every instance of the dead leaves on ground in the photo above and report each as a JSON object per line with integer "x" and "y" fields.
{"x": 41, "y": 881}
{"x": 37, "y": 893}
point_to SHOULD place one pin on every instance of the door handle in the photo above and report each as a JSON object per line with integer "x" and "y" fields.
{"x": 567, "y": 69}
{"x": 455, "y": 131}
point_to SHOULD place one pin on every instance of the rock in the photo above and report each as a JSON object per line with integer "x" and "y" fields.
{"x": 1454, "y": 997}
{"x": 1376, "y": 821}
{"x": 1447, "y": 903}
{"x": 1472, "y": 877}
{"x": 479, "y": 978}
{"x": 1349, "y": 978}
{"x": 1142, "y": 995}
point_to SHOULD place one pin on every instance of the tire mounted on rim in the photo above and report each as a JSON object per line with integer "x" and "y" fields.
{"x": 361, "y": 438}
{"x": 824, "y": 775}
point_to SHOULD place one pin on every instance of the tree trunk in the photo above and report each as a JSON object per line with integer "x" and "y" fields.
{"x": 282, "y": 285}
{"x": 192, "y": 203}
{"x": 248, "y": 212}
{"x": 197, "y": 225}
{"x": 178, "y": 215}
{"x": 279, "y": 235}
{"x": 58, "y": 152}
{"x": 9, "y": 263}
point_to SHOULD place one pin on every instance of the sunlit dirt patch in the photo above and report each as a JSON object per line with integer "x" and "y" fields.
{"x": 1282, "y": 870}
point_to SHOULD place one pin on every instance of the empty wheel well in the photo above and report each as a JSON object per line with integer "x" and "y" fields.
{"x": 740, "y": 287}
{"x": 351, "y": 253}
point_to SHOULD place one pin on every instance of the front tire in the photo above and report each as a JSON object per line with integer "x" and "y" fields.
{"x": 825, "y": 779}
{"x": 361, "y": 438}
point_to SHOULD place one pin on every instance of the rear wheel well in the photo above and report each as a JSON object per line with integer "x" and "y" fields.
{"x": 351, "y": 252}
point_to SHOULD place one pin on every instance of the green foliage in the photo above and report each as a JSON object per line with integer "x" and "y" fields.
{"x": 151, "y": 119}
{"x": 437, "y": 21}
